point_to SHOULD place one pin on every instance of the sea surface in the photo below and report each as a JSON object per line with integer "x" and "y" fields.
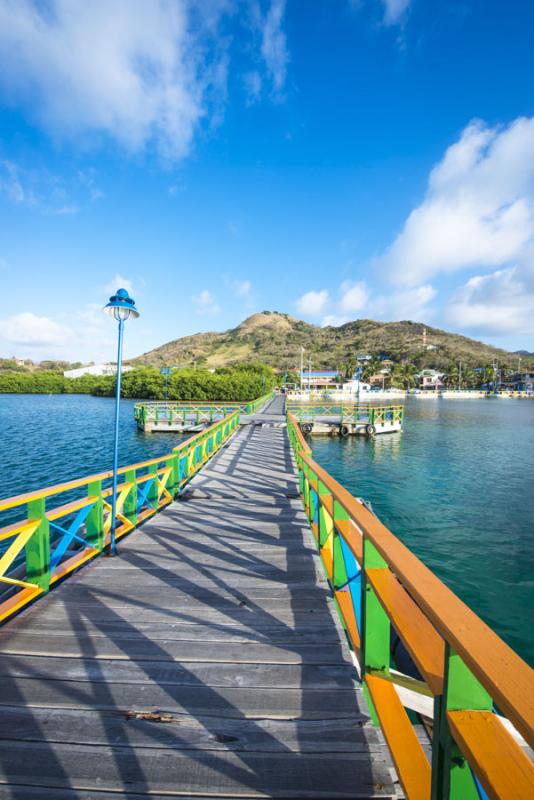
{"x": 457, "y": 486}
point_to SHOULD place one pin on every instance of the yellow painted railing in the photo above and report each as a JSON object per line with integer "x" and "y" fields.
{"x": 479, "y": 694}
{"x": 58, "y": 529}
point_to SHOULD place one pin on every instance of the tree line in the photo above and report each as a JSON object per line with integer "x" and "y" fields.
{"x": 244, "y": 382}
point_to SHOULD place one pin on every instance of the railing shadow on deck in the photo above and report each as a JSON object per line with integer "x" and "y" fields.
{"x": 98, "y": 613}
{"x": 214, "y": 705}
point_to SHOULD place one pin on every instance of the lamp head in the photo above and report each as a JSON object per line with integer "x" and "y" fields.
{"x": 121, "y": 306}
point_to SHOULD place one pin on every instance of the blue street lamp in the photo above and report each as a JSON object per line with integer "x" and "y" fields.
{"x": 166, "y": 371}
{"x": 120, "y": 307}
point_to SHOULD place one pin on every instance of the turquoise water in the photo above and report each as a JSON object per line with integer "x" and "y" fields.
{"x": 457, "y": 486}
{"x": 48, "y": 439}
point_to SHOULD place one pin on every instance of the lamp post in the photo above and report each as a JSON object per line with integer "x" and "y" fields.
{"x": 166, "y": 371}
{"x": 120, "y": 307}
{"x": 301, "y": 366}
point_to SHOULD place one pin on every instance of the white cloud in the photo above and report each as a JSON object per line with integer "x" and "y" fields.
{"x": 119, "y": 282}
{"x": 253, "y": 85}
{"x": 354, "y": 296}
{"x": 32, "y": 331}
{"x": 46, "y": 193}
{"x": 134, "y": 71}
{"x": 499, "y": 303}
{"x": 478, "y": 210}
{"x": 273, "y": 48}
{"x": 394, "y": 10}
{"x": 412, "y": 304}
{"x": 242, "y": 288}
{"x": 206, "y": 303}
{"x": 312, "y": 303}
{"x": 13, "y": 185}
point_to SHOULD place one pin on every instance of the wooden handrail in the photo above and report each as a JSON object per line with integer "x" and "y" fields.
{"x": 505, "y": 676}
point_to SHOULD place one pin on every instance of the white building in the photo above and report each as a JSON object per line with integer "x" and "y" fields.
{"x": 94, "y": 369}
{"x": 430, "y": 379}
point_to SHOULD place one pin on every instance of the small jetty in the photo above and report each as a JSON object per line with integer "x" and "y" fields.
{"x": 347, "y": 419}
{"x": 259, "y": 634}
{"x": 188, "y": 416}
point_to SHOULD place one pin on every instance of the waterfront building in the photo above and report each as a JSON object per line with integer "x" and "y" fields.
{"x": 94, "y": 369}
{"x": 519, "y": 382}
{"x": 430, "y": 379}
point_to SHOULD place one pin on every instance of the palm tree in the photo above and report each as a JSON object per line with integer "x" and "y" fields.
{"x": 404, "y": 374}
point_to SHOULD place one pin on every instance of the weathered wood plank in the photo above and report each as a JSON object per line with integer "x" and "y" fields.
{"x": 86, "y": 726}
{"x": 256, "y": 702}
{"x": 184, "y": 673}
{"x": 241, "y": 630}
{"x": 324, "y": 775}
{"x": 144, "y": 648}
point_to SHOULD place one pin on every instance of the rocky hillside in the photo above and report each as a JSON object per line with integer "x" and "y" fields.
{"x": 276, "y": 339}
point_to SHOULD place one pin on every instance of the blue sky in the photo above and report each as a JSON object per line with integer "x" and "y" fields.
{"x": 333, "y": 159}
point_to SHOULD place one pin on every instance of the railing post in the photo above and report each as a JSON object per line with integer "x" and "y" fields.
{"x": 94, "y": 525}
{"x": 130, "y": 503}
{"x": 152, "y": 494}
{"x": 339, "y": 566}
{"x": 174, "y": 480}
{"x": 38, "y": 547}
{"x": 376, "y": 627}
{"x": 452, "y": 778}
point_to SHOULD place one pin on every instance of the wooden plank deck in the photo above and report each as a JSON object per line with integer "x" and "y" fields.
{"x": 205, "y": 661}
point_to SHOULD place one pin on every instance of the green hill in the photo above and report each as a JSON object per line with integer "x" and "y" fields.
{"x": 276, "y": 339}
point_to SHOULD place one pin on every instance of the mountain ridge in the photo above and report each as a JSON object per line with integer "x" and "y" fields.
{"x": 276, "y": 338}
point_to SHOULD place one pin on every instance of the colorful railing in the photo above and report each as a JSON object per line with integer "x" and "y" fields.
{"x": 175, "y": 412}
{"x": 463, "y": 671}
{"x": 60, "y": 528}
{"x": 350, "y": 413}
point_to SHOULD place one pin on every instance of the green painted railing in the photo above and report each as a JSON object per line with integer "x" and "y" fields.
{"x": 157, "y": 413}
{"x": 60, "y": 528}
{"x": 461, "y": 671}
{"x": 349, "y": 413}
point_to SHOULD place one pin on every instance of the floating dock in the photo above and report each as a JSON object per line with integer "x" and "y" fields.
{"x": 189, "y": 416}
{"x": 336, "y": 419}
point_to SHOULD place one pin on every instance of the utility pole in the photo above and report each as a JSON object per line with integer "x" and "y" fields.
{"x": 301, "y": 366}
{"x": 309, "y": 375}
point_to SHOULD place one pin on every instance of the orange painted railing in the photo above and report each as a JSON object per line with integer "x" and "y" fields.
{"x": 475, "y": 692}
{"x": 49, "y": 539}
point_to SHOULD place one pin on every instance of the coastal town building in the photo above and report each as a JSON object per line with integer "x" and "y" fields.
{"x": 430, "y": 379}
{"x": 519, "y": 382}
{"x": 94, "y": 369}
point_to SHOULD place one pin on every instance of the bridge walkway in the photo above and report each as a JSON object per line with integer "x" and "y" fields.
{"x": 205, "y": 661}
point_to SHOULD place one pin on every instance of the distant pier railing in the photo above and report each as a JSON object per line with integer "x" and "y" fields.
{"x": 58, "y": 529}
{"x": 176, "y": 415}
{"x": 364, "y": 417}
{"x": 464, "y": 671}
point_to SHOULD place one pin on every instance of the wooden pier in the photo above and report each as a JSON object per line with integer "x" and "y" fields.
{"x": 207, "y": 659}
{"x": 242, "y": 643}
